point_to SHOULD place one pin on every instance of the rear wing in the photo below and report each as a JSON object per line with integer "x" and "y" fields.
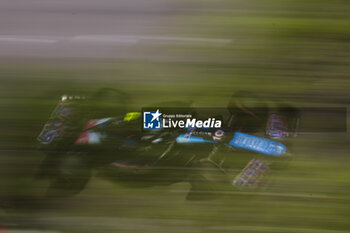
{"x": 61, "y": 118}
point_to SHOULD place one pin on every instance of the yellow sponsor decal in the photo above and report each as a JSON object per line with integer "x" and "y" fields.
{"x": 132, "y": 116}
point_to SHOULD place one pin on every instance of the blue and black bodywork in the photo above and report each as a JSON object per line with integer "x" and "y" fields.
{"x": 120, "y": 151}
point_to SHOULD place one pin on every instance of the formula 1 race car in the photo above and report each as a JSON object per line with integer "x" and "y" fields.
{"x": 101, "y": 134}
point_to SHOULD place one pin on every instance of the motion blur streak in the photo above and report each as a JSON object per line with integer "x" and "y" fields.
{"x": 183, "y": 50}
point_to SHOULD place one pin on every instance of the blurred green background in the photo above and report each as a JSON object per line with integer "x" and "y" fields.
{"x": 298, "y": 51}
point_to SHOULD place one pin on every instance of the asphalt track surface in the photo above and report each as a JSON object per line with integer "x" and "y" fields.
{"x": 89, "y": 29}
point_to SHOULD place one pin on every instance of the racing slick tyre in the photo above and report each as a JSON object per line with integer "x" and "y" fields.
{"x": 74, "y": 174}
